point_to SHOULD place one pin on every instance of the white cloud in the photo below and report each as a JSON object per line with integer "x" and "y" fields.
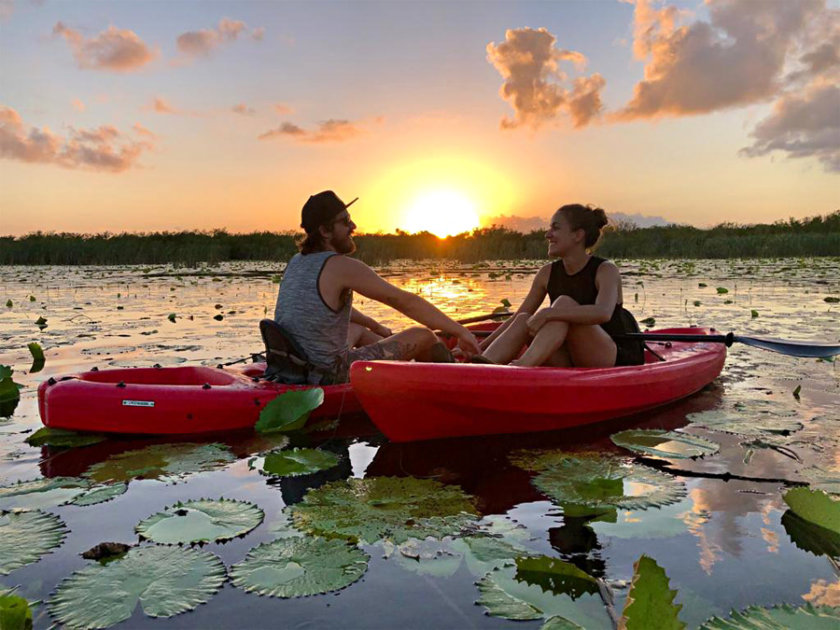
{"x": 114, "y": 49}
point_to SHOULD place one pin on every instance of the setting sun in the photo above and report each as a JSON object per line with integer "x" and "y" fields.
{"x": 441, "y": 212}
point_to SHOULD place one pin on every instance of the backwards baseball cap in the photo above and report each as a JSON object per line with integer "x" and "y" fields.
{"x": 320, "y": 208}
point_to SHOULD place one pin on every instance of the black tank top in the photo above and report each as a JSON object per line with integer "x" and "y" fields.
{"x": 581, "y": 288}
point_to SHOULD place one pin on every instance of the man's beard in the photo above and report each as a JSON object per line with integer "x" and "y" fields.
{"x": 344, "y": 245}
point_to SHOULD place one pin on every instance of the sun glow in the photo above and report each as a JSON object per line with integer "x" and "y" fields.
{"x": 441, "y": 212}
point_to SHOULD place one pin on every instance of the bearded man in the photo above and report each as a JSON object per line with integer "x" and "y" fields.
{"x": 315, "y": 302}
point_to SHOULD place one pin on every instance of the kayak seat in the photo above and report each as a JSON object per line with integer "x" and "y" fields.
{"x": 286, "y": 362}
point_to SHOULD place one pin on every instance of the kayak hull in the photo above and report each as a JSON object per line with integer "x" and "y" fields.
{"x": 424, "y": 401}
{"x": 170, "y": 401}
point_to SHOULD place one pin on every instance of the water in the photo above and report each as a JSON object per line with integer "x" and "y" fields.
{"x": 723, "y": 546}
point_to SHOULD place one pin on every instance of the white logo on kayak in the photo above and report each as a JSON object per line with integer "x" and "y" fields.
{"x": 138, "y": 403}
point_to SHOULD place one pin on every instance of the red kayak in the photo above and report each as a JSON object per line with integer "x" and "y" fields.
{"x": 172, "y": 400}
{"x": 423, "y": 401}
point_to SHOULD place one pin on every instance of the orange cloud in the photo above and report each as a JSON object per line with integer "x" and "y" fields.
{"x": 327, "y": 131}
{"x": 115, "y": 50}
{"x": 529, "y": 63}
{"x": 201, "y": 43}
{"x": 161, "y": 106}
{"x": 143, "y": 131}
{"x": 735, "y": 59}
{"x": 79, "y": 105}
{"x": 243, "y": 109}
{"x": 104, "y": 148}
{"x": 283, "y": 109}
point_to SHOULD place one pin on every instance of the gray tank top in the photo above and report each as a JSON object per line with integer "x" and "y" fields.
{"x": 320, "y": 331}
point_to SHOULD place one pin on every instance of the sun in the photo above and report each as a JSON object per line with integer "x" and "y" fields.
{"x": 441, "y": 212}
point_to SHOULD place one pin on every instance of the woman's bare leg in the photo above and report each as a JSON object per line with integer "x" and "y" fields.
{"x": 507, "y": 345}
{"x": 548, "y": 340}
{"x": 591, "y": 346}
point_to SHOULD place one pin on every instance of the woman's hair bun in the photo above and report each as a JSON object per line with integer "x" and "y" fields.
{"x": 600, "y": 217}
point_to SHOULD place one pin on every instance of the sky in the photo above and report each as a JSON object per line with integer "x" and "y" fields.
{"x": 158, "y": 115}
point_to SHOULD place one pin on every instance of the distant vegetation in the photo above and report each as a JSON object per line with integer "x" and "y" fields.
{"x": 815, "y": 236}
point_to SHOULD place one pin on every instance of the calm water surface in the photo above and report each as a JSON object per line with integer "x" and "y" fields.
{"x": 723, "y": 546}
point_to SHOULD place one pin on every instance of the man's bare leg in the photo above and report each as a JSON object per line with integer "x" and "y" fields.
{"x": 412, "y": 343}
{"x": 358, "y": 336}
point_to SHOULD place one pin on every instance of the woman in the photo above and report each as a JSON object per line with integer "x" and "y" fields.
{"x": 586, "y": 304}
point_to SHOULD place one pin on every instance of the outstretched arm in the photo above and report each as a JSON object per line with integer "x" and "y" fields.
{"x": 357, "y": 317}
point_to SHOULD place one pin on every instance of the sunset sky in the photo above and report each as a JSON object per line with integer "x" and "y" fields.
{"x": 152, "y": 115}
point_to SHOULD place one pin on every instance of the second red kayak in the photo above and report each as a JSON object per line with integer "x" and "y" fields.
{"x": 422, "y": 401}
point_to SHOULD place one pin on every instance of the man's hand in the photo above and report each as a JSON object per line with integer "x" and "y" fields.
{"x": 538, "y": 320}
{"x": 468, "y": 343}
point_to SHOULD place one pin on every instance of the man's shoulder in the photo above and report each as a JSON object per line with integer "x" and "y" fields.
{"x": 344, "y": 266}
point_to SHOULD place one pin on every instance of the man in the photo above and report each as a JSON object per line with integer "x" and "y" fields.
{"x": 315, "y": 301}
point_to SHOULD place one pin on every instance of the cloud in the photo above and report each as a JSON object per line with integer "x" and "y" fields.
{"x": 78, "y": 105}
{"x": 104, "y": 148}
{"x": 243, "y": 109}
{"x": 143, "y": 131}
{"x": 283, "y": 109}
{"x": 7, "y": 8}
{"x": 328, "y": 131}
{"x": 802, "y": 125}
{"x": 735, "y": 59}
{"x": 193, "y": 44}
{"x": 534, "y": 84}
{"x": 114, "y": 49}
{"x": 161, "y": 106}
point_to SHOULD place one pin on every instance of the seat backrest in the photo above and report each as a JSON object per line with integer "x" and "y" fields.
{"x": 282, "y": 353}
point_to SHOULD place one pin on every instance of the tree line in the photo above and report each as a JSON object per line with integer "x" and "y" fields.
{"x": 814, "y": 236}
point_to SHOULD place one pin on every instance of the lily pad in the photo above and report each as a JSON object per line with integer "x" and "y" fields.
{"x": 812, "y": 538}
{"x": 47, "y": 436}
{"x": 166, "y": 581}
{"x": 297, "y": 567}
{"x": 9, "y": 391}
{"x": 294, "y": 462}
{"x": 779, "y": 617}
{"x": 666, "y": 444}
{"x": 599, "y": 482}
{"x": 650, "y": 602}
{"x": 165, "y": 462}
{"x": 38, "y": 359}
{"x": 203, "y": 520}
{"x": 290, "y": 410}
{"x": 26, "y": 536}
{"x": 499, "y": 603}
{"x": 100, "y": 494}
{"x": 555, "y": 576}
{"x": 15, "y": 613}
{"x": 44, "y": 492}
{"x": 816, "y": 507}
{"x": 747, "y": 423}
{"x": 392, "y": 508}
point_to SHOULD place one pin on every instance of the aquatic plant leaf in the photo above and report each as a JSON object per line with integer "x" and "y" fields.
{"x": 44, "y": 492}
{"x": 650, "y": 601}
{"x": 294, "y": 462}
{"x": 648, "y": 321}
{"x": 599, "y": 481}
{"x": 560, "y": 623}
{"x": 555, "y": 576}
{"x": 722, "y": 290}
{"x": 812, "y": 538}
{"x": 667, "y": 444}
{"x": 780, "y": 617}
{"x": 297, "y": 567}
{"x": 171, "y": 317}
{"x": 38, "y": 359}
{"x": 815, "y": 506}
{"x": 161, "y": 461}
{"x": 437, "y": 558}
{"x": 290, "y": 410}
{"x": 9, "y": 391}
{"x": 166, "y": 581}
{"x": 745, "y": 423}
{"x": 47, "y": 436}
{"x": 821, "y": 479}
{"x": 392, "y": 508}
{"x": 15, "y": 613}
{"x": 26, "y": 536}
{"x": 498, "y": 603}
{"x": 100, "y": 494}
{"x": 202, "y": 520}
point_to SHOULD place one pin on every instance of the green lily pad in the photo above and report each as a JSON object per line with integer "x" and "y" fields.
{"x": 9, "y": 391}
{"x": 166, "y": 462}
{"x": 166, "y": 581}
{"x": 100, "y": 494}
{"x": 392, "y": 508}
{"x": 38, "y": 359}
{"x": 44, "y": 492}
{"x": 820, "y": 478}
{"x": 294, "y": 462}
{"x": 15, "y": 613}
{"x": 756, "y": 422}
{"x": 650, "y": 602}
{"x": 555, "y": 576}
{"x": 812, "y": 538}
{"x": 290, "y": 410}
{"x": 816, "y": 507}
{"x": 599, "y": 482}
{"x": 26, "y": 536}
{"x": 202, "y": 520}
{"x": 666, "y": 444}
{"x": 47, "y": 436}
{"x": 499, "y": 603}
{"x": 781, "y": 617}
{"x": 297, "y": 567}
{"x": 560, "y": 623}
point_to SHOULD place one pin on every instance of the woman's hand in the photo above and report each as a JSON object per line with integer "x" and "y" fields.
{"x": 468, "y": 343}
{"x": 538, "y": 320}
{"x": 382, "y": 331}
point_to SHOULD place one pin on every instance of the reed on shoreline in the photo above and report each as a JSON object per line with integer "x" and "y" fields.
{"x": 815, "y": 236}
